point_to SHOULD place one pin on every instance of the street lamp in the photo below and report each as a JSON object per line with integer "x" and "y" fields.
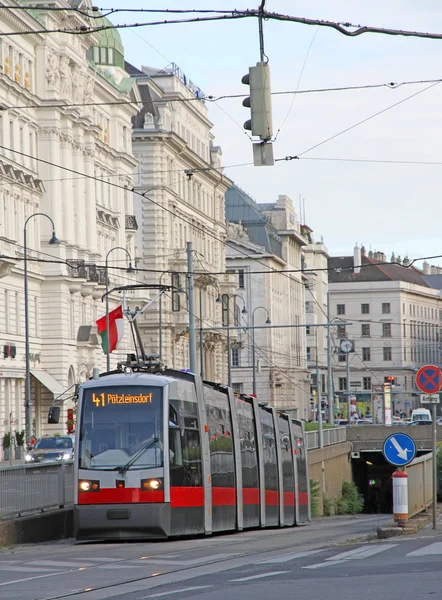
{"x": 180, "y": 290}
{"x": 268, "y": 322}
{"x": 218, "y": 299}
{"x": 244, "y": 312}
{"x": 53, "y": 240}
{"x": 129, "y": 269}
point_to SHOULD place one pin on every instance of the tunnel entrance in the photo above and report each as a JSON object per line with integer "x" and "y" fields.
{"x": 372, "y": 476}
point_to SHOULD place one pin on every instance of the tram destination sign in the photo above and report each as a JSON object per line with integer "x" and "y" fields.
{"x": 111, "y": 398}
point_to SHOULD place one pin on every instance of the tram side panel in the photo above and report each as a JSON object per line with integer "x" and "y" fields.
{"x": 271, "y": 495}
{"x": 302, "y": 473}
{"x": 222, "y": 459}
{"x": 288, "y": 474}
{"x": 185, "y": 456}
{"x": 249, "y": 462}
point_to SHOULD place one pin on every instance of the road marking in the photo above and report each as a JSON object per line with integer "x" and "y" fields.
{"x": 22, "y": 568}
{"x": 287, "y": 557}
{"x": 57, "y": 563}
{"x": 188, "y": 589}
{"x": 431, "y": 549}
{"x": 186, "y": 563}
{"x": 356, "y": 554}
{"x": 33, "y": 578}
{"x": 261, "y": 576}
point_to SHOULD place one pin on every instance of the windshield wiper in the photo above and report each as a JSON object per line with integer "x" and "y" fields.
{"x": 136, "y": 456}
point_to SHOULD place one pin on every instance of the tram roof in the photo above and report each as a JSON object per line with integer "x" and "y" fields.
{"x": 131, "y": 379}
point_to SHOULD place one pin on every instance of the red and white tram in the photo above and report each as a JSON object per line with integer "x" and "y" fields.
{"x": 163, "y": 455}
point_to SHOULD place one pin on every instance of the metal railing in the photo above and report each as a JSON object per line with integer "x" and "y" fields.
{"x": 334, "y": 435}
{"x": 26, "y": 489}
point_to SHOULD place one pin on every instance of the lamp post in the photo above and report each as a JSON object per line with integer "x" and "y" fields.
{"x": 130, "y": 269}
{"x": 201, "y": 326}
{"x": 160, "y": 308}
{"x": 244, "y": 312}
{"x": 53, "y": 240}
{"x": 268, "y": 322}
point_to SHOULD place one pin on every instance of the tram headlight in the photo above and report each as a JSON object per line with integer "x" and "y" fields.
{"x": 89, "y": 486}
{"x": 29, "y": 458}
{"x": 152, "y": 484}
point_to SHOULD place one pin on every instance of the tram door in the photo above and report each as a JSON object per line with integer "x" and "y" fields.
{"x": 302, "y": 472}
{"x": 270, "y": 467}
{"x": 288, "y": 474}
{"x": 249, "y": 462}
{"x": 222, "y": 459}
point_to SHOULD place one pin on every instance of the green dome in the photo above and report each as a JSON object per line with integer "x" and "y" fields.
{"x": 110, "y": 38}
{"x": 110, "y": 49}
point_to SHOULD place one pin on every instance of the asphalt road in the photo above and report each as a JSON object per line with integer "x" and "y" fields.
{"x": 96, "y": 571}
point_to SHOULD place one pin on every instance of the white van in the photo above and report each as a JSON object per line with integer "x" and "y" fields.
{"x": 421, "y": 415}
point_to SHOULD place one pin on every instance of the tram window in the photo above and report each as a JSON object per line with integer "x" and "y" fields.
{"x": 176, "y": 454}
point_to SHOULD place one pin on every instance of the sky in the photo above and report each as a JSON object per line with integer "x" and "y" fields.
{"x": 384, "y": 206}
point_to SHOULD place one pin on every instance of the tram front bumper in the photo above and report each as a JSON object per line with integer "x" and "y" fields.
{"x": 122, "y": 521}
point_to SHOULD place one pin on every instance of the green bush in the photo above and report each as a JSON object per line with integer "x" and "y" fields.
{"x": 7, "y": 440}
{"x": 351, "y": 500}
{"x": 20, "y": 438}
{"x": 314, "y": 497}
{"x": 327, "y": 505}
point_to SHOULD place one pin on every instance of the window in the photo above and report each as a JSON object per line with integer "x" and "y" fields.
{"x": 11, "y": 138}
{"x": 386, "y": 329}
{"x": 235, "y": 357}
{"x": 17, "y": 312}
{"x": 307, "y": 330}
{"x": 365, "y": 309}
{"x": 176, "y": 299}
{"x": 366, "y": 353}
{"x": 365, "y": 330}
{"x": 241, "y": 278}
{"x": 309, "y": 353}
{"x": 341, "y": 309}
{"x": 7, "y": 311}
{"x": 342, "y": 384}
{"x": 225, "y": 310}
{"x": 342, "y": 331}
{"x": 342, "y": 357}
{"x": 387, "y": 353}
{"x": 237, "y": 388}
{"x": 386, "y": 308}
{"x": 366, "y": 383}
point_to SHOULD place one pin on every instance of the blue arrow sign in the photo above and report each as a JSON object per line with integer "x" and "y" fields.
{"x": 399, "y": 449}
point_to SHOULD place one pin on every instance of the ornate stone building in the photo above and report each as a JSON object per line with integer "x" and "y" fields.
{"x": 181, "y": 177}
{"x": 265, "y": 239}
{"x": 65, "y": 151}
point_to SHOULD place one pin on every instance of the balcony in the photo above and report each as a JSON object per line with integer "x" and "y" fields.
{"x": 131, "y": 223}
{"x": 78, "y": 269}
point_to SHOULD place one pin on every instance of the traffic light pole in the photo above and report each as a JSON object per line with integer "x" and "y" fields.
{"x": 261, "y": 30}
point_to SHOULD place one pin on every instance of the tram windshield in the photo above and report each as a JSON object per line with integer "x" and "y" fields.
{"x": 121, "y": 427}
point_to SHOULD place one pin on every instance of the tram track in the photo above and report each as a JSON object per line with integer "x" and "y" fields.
{"x": 319, "y": 543}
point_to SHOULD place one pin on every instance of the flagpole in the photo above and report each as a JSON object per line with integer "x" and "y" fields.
{"x": 129, "y": 270}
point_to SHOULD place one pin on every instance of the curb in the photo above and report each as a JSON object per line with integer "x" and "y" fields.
{"x": 393, "y": 530}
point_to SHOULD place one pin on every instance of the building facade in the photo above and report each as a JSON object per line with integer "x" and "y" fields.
{"x": 316, "y": 310}
{"x": 395, "y": 321}
{"x": 180, "y": 187}
{"x": 71, "y": 160}
{"x": 263, "y": 240}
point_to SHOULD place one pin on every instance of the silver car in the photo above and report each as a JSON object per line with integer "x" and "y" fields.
{"x": 51, "y": 449}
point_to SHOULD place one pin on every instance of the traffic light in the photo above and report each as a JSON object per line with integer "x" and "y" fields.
{"x": 390, "y": 379}
{"x": 259, "y": 101}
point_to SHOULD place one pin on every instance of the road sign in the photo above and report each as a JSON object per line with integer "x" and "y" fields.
{"x": 399, "y": 449}
{"x": 429, "y": 379}
{"x": 429, "y": 398}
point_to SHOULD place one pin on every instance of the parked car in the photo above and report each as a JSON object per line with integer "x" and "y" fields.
{"x": 51, "y": 449}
